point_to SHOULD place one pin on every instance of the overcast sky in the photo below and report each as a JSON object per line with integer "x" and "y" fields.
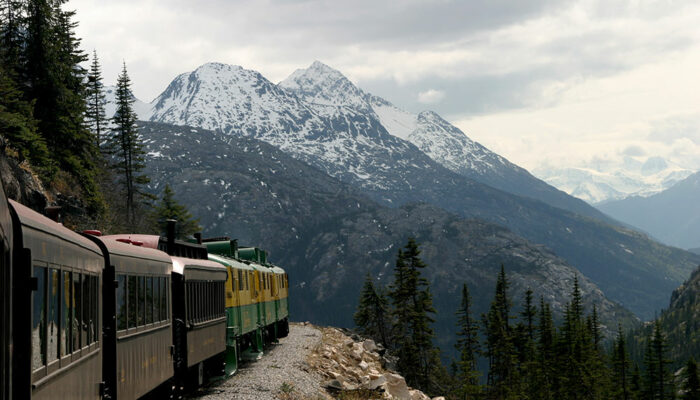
{"x": 540, "y": 81}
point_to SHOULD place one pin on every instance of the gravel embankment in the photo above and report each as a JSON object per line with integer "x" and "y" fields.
{"x": 282, "y": 372}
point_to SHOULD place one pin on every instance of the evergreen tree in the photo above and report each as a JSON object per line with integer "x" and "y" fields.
{"x": 126, "y": 146}
{"x": 546, "y": 373}
{"x": 502, "y": 379}
{"x": 413, "y": 305}
{"x": 621, "y": 366}
{"x": 468, "y": 348}
{"x": 372, "y": 311}
{"x": 12, "y": 36}
{"x": 19, "y": 127}
{"x": 96, "y": 102}
{"x": 169, "y": 208}
{"x": 658, "y": 378}
{"x": 52, "y": 77}
{"x": 691, "y": 382}
{"x": 526, "y": 336}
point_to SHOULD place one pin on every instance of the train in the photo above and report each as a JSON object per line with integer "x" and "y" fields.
{"x": 127, "y": 316}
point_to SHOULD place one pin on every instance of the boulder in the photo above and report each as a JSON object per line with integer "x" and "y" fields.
{"x": 396, "y": 387}
{"x": 418, "y": 395}
{"x": 369, "y": 345}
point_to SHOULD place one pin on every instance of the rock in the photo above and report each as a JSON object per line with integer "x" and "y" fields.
{"x": 396, "y": 387}
{"x": 389, "y": 362}
{"x": 369, "y": 345}
{"x": 418, "y": 395}
{"x": 363, "y": 365}
{"x": 333, "y": 385}
{"x": 439, "y": 398}
{"x": 375, "y": 381}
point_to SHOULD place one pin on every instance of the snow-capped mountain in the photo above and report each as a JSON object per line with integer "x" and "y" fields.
{"x": 343, "y": 141}
{"x": 603, "y": 181}
{"x": 328, "y": 91}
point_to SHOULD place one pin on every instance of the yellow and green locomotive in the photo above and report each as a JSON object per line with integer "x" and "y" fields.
{"x": 257, "y": 310}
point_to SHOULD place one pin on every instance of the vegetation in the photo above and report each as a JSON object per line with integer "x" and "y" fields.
{"x": 526, "y": 356}
{"x": 167, "y": 209}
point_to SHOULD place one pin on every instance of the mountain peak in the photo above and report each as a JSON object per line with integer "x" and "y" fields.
{"x": 321, "y": 84}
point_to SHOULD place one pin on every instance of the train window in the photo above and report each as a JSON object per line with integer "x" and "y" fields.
{"x": 149, "y": 300}
{"x": 66, "y": 313}
{"x": 52, "y": 319}
{"x": 164, "y": 299}
{"x": 78, "y": 329}
{"x": 142, "y": 301}
{"x": 88, "y": 298}
{"x": 95, "y": 313}
{"x": 132, "y": 289}
{"x": 189, "y": 293}
{"x": 121, "y": 302}
{"x": 156, "y": 299}
{"x": 39, "y": 320}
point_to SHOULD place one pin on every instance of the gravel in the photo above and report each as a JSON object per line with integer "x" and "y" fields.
{"x": 281, "y": 373}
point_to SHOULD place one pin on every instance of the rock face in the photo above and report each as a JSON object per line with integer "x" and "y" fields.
{"x": 356, "y": 366}
{"x": 20, "y": 182}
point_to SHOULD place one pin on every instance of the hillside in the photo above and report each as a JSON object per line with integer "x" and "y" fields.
{"x": 328, "y": 235}
{"x": 680, "y": 323}
{"x": 671, "y": 216}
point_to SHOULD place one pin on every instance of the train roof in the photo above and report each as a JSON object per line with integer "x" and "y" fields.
{"x": 231, "y": 262}
{"x": 276, "y": 269}
{"x": 130, "y": 250}
{"x": 178, "y": 248}
{"x": 201, "y": 269}
{"x": 33, "y": 219}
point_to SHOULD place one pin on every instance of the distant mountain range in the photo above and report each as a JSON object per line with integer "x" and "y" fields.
{"x": 319, "y": 117}
{"x": 671, "y": 216}
{"x": 600, "y": 181}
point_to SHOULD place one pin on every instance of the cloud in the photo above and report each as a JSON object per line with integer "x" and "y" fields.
{"x": 558, "y": 80}
{"x": 633, "y": 151}
{"x": 431, "y": 96}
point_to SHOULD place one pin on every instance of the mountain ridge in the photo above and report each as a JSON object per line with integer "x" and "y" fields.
{"x": 354, "y": 147}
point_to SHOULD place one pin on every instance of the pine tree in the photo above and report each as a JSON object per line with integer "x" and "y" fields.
{"x": 52, "y": 77}
{"x": 95, "y": 115}
{"x": 546, "y": 373}
{"x": 12, "y": 36}
{"x": 19, "y": 127}
{"x": 169, "y": 208}
{"x": 468, "y": 348}
{"x": 691, "y": 382}
{"x": 502, "y": 379}
{"x": 372, "y": 311}
{"x": 526, "y": 334}
{"x": 621, "y": 366}
{"x": 413, "y": 305}
{"x": 126, "y": 146}
{"x": 658, "y": 378}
